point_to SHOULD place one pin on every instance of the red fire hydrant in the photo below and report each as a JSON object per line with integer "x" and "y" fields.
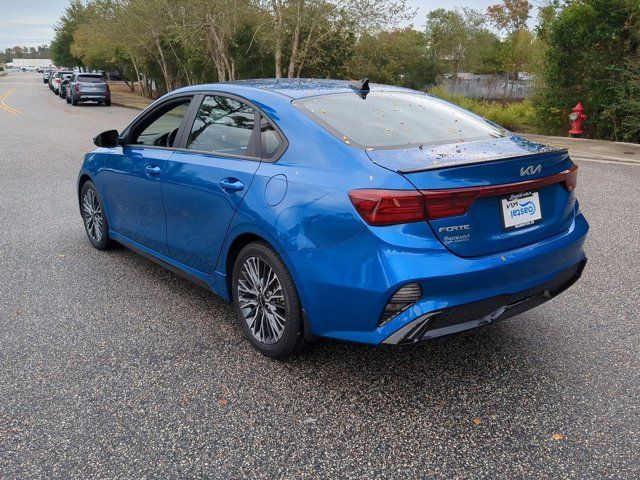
{"x": 576, "y": 118}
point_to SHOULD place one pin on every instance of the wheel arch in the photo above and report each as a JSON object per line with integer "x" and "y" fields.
{"x": 236, "y": 245}
{"x": 87, "y": 176}
{"x": 82, "y": 179}
{"x": 231, "y": 254}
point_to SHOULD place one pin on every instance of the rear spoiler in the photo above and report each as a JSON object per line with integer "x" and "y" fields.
{"x": 440, "y": 166}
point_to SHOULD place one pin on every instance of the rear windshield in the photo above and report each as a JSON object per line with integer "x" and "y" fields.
{"x": 395, "y": 119}
{"x": 91, "y": 78}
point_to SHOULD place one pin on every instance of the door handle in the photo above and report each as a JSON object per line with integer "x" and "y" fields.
{"x": 152, "y": 170}
{"x": 231, "y": 184}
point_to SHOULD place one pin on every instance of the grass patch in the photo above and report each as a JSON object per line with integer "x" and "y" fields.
{"x": 517, "y": 117}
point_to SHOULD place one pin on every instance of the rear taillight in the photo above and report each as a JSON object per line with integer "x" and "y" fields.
{"x": 449, "y": 203}
{"x": 390, "y": 207}
{"x": 571, "y": 178}
{"x": 77, "y": 87}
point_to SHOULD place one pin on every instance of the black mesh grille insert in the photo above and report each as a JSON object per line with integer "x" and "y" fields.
{"x": 478, "y": 310}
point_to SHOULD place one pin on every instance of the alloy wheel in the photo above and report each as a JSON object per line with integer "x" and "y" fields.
{"x": 261, "y": 300}
{"x": 93, "y": 218}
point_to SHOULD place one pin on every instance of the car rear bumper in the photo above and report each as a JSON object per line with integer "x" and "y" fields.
{"x": 91, "y": 97}
{"x": 471, "y": 315}
{"x": 345, "y": 288}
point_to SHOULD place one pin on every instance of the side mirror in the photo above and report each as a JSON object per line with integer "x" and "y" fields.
{"x": 108, "y": 139}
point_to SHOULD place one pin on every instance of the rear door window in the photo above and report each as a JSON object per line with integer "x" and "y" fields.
{"x": 225, "y": 126}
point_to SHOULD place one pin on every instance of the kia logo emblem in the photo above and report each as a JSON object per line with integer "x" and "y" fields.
{"x": 530, "y": 170}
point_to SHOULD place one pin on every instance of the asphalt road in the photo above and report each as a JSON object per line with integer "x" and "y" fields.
{"x": 111, "y": 367}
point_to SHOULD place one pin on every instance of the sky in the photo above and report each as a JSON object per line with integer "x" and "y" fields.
{"x": 30, "y": 22}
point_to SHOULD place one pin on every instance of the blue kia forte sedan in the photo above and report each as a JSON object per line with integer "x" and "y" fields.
{"x": 324, "y": 208}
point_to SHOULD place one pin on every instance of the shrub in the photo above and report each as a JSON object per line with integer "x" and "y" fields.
{"x": 518, "y": 117}
{"x": 591, "y": 57}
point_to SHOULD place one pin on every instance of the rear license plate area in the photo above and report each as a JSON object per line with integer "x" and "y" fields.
{"x": 520, "y": 210}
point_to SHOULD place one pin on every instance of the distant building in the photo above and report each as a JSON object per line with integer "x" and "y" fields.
{"x": 30, "y": 63}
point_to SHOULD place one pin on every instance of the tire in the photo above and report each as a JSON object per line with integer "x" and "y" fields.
{"x": 74, "y": 102}
{"x": 68, "y": 99}
{"x": 271, "y": 321}
{"x": 107, "y": 103}
{"x": 93, "y": 217}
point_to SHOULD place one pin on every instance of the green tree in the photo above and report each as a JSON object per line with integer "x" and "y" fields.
{"x": 458, "y": 40}
{"x": 510, "y": 15}
{"x": 75, "y": 15}
{"x": 518, "y": 47}
{"x": 592, "y": 56}
{"x": 483, "y": 54}
{"x": 395, "y": 57}
{"x": 298, "y": 28}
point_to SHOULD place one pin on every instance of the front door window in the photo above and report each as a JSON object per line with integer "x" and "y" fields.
{"x": 161, "y": 129}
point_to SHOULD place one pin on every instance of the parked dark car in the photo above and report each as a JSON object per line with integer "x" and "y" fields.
{"x": 88, "y": 87}
{"x": 62, "y": 91}
{"x": 115, "y": 76}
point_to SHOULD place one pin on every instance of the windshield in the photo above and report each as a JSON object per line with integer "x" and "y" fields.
{"x": 395, "y": 119}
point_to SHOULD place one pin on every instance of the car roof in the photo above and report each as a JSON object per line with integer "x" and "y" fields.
{"x": 293, "y": 88}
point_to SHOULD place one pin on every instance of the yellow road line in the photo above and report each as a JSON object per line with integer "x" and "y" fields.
{"x": 6, "y": 107}
{"x": 11, "y": 90}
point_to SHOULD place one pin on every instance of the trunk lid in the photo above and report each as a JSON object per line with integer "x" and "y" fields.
{"x": 488, "y": 226}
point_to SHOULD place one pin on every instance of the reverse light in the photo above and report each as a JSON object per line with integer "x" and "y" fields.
{"x": 404, "y": 297}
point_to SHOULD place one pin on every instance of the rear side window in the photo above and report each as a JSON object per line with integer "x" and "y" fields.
{"x": 223, "y": 125}
{"x": 395, "y": 119}
{"x": 90, "y": 79}
{"x": 270, "y": 139}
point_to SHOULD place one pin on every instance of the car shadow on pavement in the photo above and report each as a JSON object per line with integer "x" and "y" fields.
{"x": 486, "y": 362}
